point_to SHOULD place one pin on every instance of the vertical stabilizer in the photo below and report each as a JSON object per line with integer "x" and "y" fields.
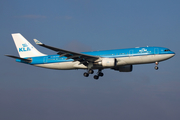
{"x": 24, "y": 48}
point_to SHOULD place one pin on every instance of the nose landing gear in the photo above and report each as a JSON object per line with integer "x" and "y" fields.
{"x": 156, "y": 67}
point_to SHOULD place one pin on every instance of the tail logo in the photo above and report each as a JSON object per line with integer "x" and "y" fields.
{"x": 24, "y": 48}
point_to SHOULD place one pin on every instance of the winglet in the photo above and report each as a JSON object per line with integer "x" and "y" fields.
{"x": 38, "y": 42}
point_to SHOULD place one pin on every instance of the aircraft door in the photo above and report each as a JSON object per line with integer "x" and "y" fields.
{"x": 131, "y": 52}
{"x": 156, "y": 50}
{"x": 45, "y": 59}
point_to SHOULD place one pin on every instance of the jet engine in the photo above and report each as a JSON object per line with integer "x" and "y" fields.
{"x": 124, "y": 68}
{"x": 108, "y": 62}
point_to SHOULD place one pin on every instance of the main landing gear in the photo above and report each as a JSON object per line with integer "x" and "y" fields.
{"x": 99, "y": 73}
{"x": 90, "y": 71}
{"x": 156, "y": 67}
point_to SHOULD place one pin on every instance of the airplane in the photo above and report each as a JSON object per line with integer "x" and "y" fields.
{"x": 121, "y": 60}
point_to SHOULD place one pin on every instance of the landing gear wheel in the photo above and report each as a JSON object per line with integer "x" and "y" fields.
{"x": 96, "y": 77}
{"x": 100, "y": 74}
{"x": 86, "y": 74}
{"x": 90, "y": 71}
{"x": 156, "y": 67}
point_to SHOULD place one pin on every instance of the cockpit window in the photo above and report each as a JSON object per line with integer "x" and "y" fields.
{"x": 166, "y": 50}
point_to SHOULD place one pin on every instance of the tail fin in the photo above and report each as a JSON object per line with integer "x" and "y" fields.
{"x": 24, "y": 48}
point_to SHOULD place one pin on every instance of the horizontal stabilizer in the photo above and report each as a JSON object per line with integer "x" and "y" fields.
{"x": 28, "y": 60}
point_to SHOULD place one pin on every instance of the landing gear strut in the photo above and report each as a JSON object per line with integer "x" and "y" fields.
{"x": 90, "y": 71}
{"x": 156, "y": 67}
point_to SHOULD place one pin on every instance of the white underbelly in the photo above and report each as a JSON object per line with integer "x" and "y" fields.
{"x": 62, "y": 65}
{"x": 143, "y": 59}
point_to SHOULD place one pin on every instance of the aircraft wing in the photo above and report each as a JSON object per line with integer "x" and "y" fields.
{"x": 83, "y": 58}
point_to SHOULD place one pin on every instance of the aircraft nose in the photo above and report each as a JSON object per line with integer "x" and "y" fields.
{"x": 173, "y": 54}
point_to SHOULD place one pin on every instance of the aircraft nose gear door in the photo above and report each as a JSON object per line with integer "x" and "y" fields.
{"x": 156, "y": 51}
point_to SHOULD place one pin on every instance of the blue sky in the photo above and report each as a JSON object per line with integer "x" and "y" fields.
{"x": 28, "y": 92}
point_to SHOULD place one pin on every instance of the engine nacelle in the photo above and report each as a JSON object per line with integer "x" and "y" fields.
{"x": 108, "y": 62}
{"x": 124, "y": 68}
